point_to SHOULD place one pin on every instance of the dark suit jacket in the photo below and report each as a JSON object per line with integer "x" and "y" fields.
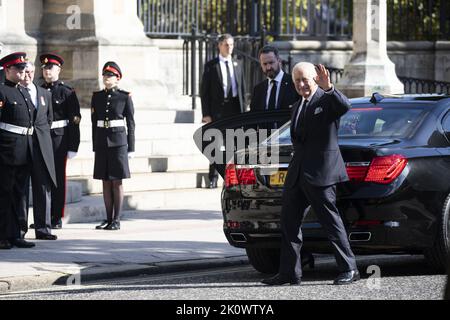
{"x": 317, "y": 154}
{"x": 114, "y": 104}
{"x": 286, "y": 98}
{"x": 211, "y": 91}
{"x": 42, "y": 124}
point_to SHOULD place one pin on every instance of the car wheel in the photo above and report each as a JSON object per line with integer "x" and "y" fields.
{"x": 265, "y": 260}
{"x": 437, "y": 254}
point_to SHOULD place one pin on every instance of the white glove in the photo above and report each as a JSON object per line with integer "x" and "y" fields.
{"x": 71, "y": 154}
{"x": 130, "y": 155}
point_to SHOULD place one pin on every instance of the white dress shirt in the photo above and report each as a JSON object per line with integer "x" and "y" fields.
{"x": 223, "y": 68}
{"x": 32, "y": 90}
{"x": 278, "y": 79}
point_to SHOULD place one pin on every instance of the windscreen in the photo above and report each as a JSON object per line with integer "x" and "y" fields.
{"x": 369, "y": 122}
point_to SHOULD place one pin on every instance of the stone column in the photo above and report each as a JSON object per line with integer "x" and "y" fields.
{"x": 370, "y": 69}
{"x": 14, "y": 28}
{"x": 88, "y": 33}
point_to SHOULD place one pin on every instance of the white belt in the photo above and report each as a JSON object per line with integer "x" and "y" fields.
{"x": 16, "y": 129}
{"x": 60, "y": 124}
{"x": 110, "y": 124}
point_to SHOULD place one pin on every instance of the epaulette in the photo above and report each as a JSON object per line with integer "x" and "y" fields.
{"x": 124, "y": 92}
{"x": 67, "y": 86}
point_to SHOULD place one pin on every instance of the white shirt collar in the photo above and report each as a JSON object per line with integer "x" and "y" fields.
{"x": 222, "y": 59}
{"x": 278, "y": 78}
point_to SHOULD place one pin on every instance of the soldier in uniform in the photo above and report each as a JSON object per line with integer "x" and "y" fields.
{"x": 65, "y": 129}
{"x": 16, "y": 145}
{"x": 43, "y": 168}
{"x": 112, "y": 111}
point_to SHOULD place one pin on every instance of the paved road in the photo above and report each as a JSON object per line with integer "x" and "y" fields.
{"x": 400, "y": 277}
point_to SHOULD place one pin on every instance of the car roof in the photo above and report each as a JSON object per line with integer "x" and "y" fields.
{"x": 401, "y": 98}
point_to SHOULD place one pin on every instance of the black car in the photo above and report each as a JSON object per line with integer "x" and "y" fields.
{"x": 397, "y": 155}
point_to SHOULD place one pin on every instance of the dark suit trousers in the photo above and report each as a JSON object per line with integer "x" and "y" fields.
{"x": 58, "y": 193}
{"x": 41, "y": 184}
{"x": 13, "y": 192}
{"x": 323, "y": 200}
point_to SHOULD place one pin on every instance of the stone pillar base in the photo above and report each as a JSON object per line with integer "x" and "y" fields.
{"x": 363, "y": 77}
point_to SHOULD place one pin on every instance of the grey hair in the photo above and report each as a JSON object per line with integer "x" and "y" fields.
{"x": 306, "y": 67}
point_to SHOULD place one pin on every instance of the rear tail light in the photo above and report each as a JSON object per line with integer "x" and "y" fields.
{"x": 382, "y": 170}
{"x": 239, "y": 176}
{"x": 386, "y": 169}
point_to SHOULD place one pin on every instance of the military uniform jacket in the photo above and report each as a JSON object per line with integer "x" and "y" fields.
{"x": 108, "y": 105}
{"x": 66, "y": 107}
{"x": 15, "y": 109}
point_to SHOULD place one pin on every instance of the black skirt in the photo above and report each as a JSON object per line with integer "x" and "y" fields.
{"x": 112, "y": 164}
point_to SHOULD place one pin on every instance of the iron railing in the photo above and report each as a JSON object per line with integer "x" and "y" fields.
{"x": 288, "y": 19}
{"x": 291, "y": 19}
{"x": 418, "y": 20}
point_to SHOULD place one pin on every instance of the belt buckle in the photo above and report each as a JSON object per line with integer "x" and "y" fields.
{"x": 106, "y": 124}
{"x": 30, "y": 131}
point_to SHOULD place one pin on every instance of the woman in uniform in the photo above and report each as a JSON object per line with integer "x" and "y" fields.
{"x": 112, "y": 111}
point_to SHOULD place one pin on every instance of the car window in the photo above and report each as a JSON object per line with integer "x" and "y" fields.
{"x": 379, "y": 121}
{"x": 367, "y": 122}
{"x": 446, "y": 123}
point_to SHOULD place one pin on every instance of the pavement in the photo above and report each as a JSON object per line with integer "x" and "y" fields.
{"x": 169, "y": 239}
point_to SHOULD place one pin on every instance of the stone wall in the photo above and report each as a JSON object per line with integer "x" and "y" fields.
{"x": 415, "y": 59}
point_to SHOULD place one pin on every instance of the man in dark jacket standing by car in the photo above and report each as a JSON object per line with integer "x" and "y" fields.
{"x": 278, "y": 90}
{"x": 65, "y": 129}
{"x": 222, "y": 91}
{"x": 315, "y": 169}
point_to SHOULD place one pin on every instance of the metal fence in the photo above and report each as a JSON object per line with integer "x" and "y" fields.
{"x": 280, "y": 19}
{"x": 418, "y": 20}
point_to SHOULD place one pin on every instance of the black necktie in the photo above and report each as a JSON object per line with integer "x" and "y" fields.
{"x": 301, "y": 120}
{"x": 273, "y": 96}
{"x": 229, "y": 89}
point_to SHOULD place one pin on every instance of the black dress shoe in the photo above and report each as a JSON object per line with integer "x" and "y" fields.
{"x": 21, "y": 243}
{"x": 5, "y": 245}
{"x": 57, "y": 225}
{"x": 102, "y": 225}
{"x": 213, "y": 184}
{"x": 46, "y": 236}
{"x": 279, "y": 280}
{"x": 308, "y": 260}
{"x": 347, "y": 277}
{"x": 115, "y": 225}
{"x": 32, "y": 226}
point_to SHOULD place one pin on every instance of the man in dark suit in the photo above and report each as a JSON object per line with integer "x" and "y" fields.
{"x": 315, "y": 169}
{"x": 65, "y": 130}
{"x": 43, "y": 175}
{"x": 278, "y": 90}
{"x": 222, "y": 90}
{"x": 16, "y": 144}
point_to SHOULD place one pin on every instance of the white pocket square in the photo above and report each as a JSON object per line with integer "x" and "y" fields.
{"x": 318, "y": 110}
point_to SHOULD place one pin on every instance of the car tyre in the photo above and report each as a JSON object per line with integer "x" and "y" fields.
{"x": 264, "y": 260}
{"x": 436, "y": 255}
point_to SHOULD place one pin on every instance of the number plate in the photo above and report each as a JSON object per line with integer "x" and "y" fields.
{"x": 277, "y": 179}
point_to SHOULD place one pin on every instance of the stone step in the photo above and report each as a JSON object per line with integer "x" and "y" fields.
{"x": 149, "y": 181}
{"x": 73, "y": 192}
{"x": 85, "y": 166}
{"x": 157, "y": 131}
{"x": 151, "y": 148}
{"x": 92, "y": 208}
